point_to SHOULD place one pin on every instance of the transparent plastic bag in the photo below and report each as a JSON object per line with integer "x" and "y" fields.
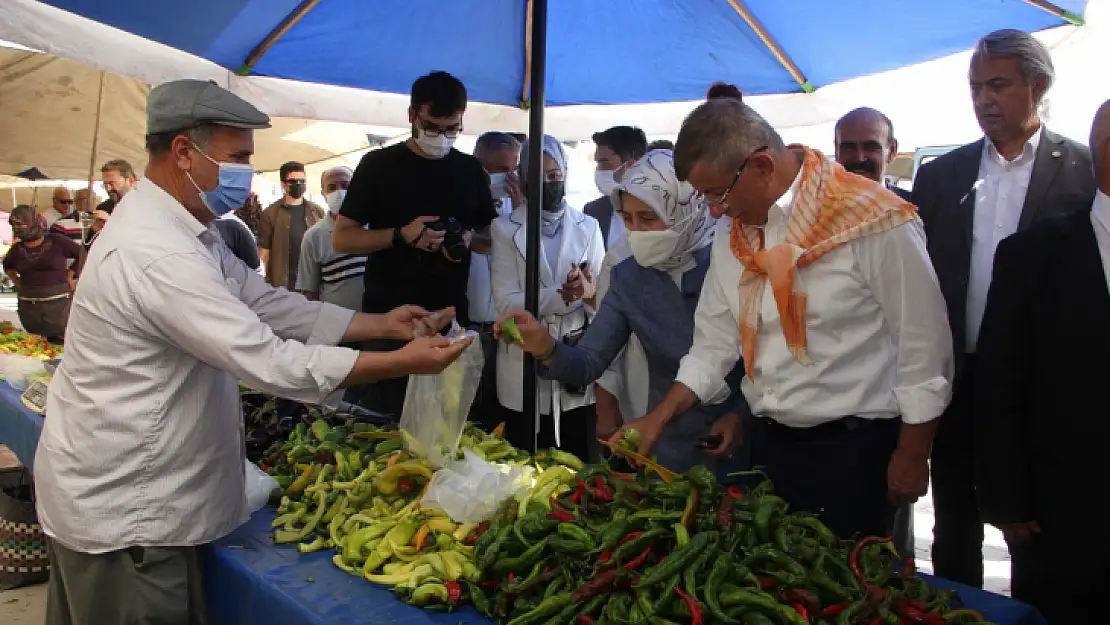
{"x": 20, "y": 370}
{"x": 472, "y": 490}
{"x": 259, "y": 487}
{"x": 436, "y": 406}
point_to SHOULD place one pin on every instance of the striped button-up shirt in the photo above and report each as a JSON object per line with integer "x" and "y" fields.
{"x": 143, "y": 442}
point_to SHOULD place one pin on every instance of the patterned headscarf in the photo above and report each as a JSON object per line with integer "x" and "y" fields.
{"x": 552, "y": 220}
{"x": 652, "y": 180}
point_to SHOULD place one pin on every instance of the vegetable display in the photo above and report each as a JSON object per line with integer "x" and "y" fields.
{"x": 13, "y": 341}
{"x": 587, "y": 544}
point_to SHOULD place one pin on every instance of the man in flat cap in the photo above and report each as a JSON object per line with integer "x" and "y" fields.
{"x": 141, "y": 459}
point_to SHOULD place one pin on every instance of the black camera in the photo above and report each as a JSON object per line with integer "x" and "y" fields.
{"x": 452, "y": 229}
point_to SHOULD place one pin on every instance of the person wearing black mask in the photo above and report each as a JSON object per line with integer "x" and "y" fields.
{"x": 865, "y": 145}
{"x": 571, "y": 252}
{"x": 282, "y": 227}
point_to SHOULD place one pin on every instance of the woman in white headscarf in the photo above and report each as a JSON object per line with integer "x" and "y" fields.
{"x": 654, "y": 294}
{"x": 571, "y": 250}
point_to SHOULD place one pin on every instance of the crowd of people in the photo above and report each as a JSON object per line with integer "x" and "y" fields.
{"x": 738, "y": 301}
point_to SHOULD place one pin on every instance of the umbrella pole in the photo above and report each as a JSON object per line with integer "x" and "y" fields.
{"x": 534, "y": 190}
{"x": 95, "y": 142}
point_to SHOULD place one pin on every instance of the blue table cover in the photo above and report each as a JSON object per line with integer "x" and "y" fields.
{"x": 19, "y": 427}
{"x": 249, "y": 580}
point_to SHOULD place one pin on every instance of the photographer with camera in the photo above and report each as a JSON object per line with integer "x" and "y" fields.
{"x": 417, "y": 209}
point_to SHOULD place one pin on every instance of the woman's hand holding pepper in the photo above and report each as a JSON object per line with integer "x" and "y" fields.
{"x": 650, "y": 429}
{"x": 537, "y": 339}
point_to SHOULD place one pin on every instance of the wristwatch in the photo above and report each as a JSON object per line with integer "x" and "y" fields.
{"x": 399, "y": 238}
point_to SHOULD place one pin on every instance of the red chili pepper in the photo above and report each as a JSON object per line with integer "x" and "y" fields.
{"x": 561, "y": 515}
{"x": 833, "y": 610}
{"x": 512, "y": 576}
{"x": 638, "y": 561}
{"x": 853, "y": 560}
{"x": 599, "y": 482}
{"x": 603, "y": 494}
{"x": 735, "y": 493}
{"x": 622, "y": 476}
{"x": 605, "y": 556}
{"x": 578, "y": 482}
{"x": 583, "y": 619}
{"x": 489, "y": 583}
{"x": 576, "y": 496}
{"x": 692, "y": 605}
{"x": 801, "y": 609}
{"x": 630, "y": 536}
{"x": 404, "y": 487}
{"x": 265, "y": 467}
{"x": 454, "y": 591}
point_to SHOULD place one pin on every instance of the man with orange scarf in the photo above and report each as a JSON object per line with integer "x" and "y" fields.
{"x": 821, "y": 281}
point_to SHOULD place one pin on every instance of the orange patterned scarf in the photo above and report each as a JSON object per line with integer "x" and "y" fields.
{"x": 831, "y": 207}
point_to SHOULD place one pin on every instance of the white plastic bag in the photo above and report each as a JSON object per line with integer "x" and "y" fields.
{"x": 259, "y": 486}
{"x": 436, "y": 406}
{"x": 19, "y": 370}
{"x": 472, "y": 490}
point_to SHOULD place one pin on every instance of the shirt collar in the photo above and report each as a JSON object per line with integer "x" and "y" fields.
{"x": 157, "y": 198}
{"x": 1027, "y": 153}
{"x": 780, "y": 212}
{"x": 1101, "y": 209}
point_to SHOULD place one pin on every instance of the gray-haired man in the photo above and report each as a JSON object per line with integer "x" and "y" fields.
{"x": 142, "y": 459}
{"x": 970, "y": 199}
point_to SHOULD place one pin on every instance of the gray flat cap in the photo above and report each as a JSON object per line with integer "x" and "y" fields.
{"x": 185, "y": 104}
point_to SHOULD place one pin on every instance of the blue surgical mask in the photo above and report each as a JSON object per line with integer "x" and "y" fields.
{"x": 233, "y": 189}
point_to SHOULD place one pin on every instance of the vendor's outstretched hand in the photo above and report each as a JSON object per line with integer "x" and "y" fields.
{"x": 429, "y": 355}
{"x": 535, "y": 336}
{"x": 408, "y": 322}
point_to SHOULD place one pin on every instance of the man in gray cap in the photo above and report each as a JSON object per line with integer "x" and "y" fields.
{"x": 141, "y": 459}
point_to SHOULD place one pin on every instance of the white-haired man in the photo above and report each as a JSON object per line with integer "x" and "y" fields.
{"x": 322, "y": 273}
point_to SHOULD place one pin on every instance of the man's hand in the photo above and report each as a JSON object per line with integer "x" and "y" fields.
{"x": 1020, "y": 533}
{"x": 409, "y": 322}
{"x": 907, "y": 477}
{"x": 467, "y": 236}
{"x": 512, "y": 187}
{"x": 731, "y": 432}
{"x": 429, "y": 355}
{"x": 579, "y": 285}
{"x": 418, "y": 236}
{"x": 537, "y": 339}
{"x": 650, "y": 428}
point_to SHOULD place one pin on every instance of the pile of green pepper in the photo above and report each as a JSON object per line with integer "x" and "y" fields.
{"x": 626, "y": 549}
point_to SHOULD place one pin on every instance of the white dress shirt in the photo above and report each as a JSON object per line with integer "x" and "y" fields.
{"x": 999, "y": 197}
{"x": 479, "y": 291}
{"x": 1100, "y": 220}
{"x": 878, "y": 333}
{"x": 143, "y": 443}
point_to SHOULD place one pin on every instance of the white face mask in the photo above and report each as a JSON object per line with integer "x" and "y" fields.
{"x": 335, "y": 200}
{"x": 654, "y": 247}
{"x": 605, "y": 182}
{"x": 434, "y": 147}
{"x": 497, "y": 186}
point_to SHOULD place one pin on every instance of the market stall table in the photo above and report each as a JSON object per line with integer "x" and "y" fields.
{"x": 250, "y": 580}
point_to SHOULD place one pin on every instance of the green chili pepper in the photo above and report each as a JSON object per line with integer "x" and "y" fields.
{"x": 489, "y": 556}
{"x": 618, "y": 607}
{"x": 614, "y": 531}
{"x": 520, "y": 563}
{"x": 656, "y": 515}
{"x": 478, "y": 598}
{"x": 555, "y": 587}
{"x": 721, "y": 567}
{"x": 573, "y": 532}
{"x": 560, "y": 544}
{"x": 690, "y": 575}
{"x": 677, "y": 490}
{"x": 847, "y": 616}
{"x": 510, "y": 333}
{"x": 637, "y": 545}
{"x": 388, "y": 446}
{"x": 768, "y": 506}
{"x": 667, "y": 595}
{"x": 763, "y": 602}
{"x": 705, "y": 481}
{"x": 546, "y": 608}
{"x": 676, "y": 562}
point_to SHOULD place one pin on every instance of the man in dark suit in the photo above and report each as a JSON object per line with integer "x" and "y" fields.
{"x": 970, "y": 199}
{"x": 614, "y": 150}
{"x": 865, "y": 145}
{"x": 1040, "y": 404}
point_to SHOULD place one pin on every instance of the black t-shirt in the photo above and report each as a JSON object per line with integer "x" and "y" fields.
{"x": 240, "y": 241}
{"x": 393, "y": 186}
{"x": 107, "y": 206}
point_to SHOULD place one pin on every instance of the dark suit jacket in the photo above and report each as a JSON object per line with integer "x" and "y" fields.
{"x": 1040, "y": 388}
{"x": 601, "y": 209}
{"x": 1062, "y": 182}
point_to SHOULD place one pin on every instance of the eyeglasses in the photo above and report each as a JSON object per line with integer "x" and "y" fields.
{"x": 434, "y": 130}
{"x": 724, "y": 196}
